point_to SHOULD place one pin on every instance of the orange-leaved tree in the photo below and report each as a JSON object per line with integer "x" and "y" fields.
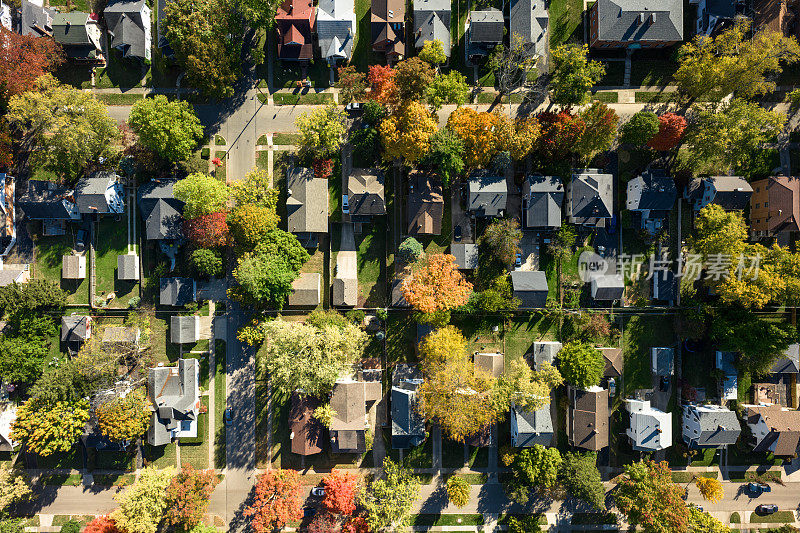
{"x": 436, "y": 286}
{"x": 278, "y": 500}
{"x": 478, "y": 131}
{"x": 341, "y": 489}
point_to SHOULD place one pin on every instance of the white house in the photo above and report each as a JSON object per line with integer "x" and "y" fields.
{"x": 709, "y": 426}
{"x": 730, "y": 385}
{"x": 336, "y": 29}
{"x": 650, "y": 428}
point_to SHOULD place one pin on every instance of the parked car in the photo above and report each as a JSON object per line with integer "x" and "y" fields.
{"x": 354, "y": 108}
{"x": 80, "y": 240}
{"x": 664, "y": 383}
{"x": 612, "y": 225}
{"x": 318, "y": 491}
{"x": 227, "y": 416}
{"x": 457, "y": 234}
{"x": 345, "y": 205}
{"x": 518, "y": 260}
{"x": 756, "y": 489}
{"x": 766, "y": 508}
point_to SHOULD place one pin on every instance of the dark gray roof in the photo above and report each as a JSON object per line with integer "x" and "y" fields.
{"x": 126, "y": 27}
{"x": 533, "y": 427}
{"x": 366, "y": 192}
{"x": 732, "y": 192}
{"x": 718, "y": 426}
{"x": 665, "y": 286}
{"x": 653, "y": 190}
{"x": 307, "y": 206}
{"x": 128, "y": 267}
{"x": 790, "y": 362}
{"x": 99, "y": 193}
{"x": 163, "y": 43}
{"x": 529, "y": 20}
{"x": 488, "y": 193}
{"x": 161, "y": 211}
{"x": 545, "y": 352}
{"x": 36, "y": 20}
{"x": 662, "y": 361}
{"x": 176, "y": 292}
{"x": 486, "y": 26}
{"x": 44, "y": 200}
{"x": 590, "y": 193}
{"x": 174, "y": 394}
{"x": 466, "y": 255}
{"x": 432, "y": 25}
{"x": 607, "y": 287}
{"x": 75, "y": 328}
{"x": 184, "y": 329}
{"x": 545, "y": 196}
{"x": 530, "y": 287}
{"x": 639, "y": 20}
{"x": 721, "y": 8}
{"x": 408, "y": 426}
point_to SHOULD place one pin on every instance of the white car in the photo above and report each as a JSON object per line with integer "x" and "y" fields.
{"x": 318, "y": 491}
{"x": 345, "y": 205}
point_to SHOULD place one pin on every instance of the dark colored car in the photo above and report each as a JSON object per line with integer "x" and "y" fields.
{"x": 664, "y": 383}
{"x": 227, "y": 416}
{"x": 457, "y": 234}
{"x": 756, "y": 489}
{"x": 766, "y": 508}
{"x": 354, "y": 108}
{"x": 518, "y": 260}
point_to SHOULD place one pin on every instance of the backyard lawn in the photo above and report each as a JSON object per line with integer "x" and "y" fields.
{"x": 112, "y": 241}
{"x": 566, "y": 17}
{"x": 49, "y": 253}
{"x": 524, "y": 331}
{"x": 371, "y": 264}
{"x": 640, "y": 333}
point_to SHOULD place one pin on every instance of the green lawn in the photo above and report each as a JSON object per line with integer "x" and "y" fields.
{"x": 446, "y": 520}
{"x": 781, "y": 517}
{"x": 119, "y": 99}
{"x": 71, "y": 459}
{"x": 120, "y": 72}
{"x": 112, "y": 241}
{"x": 640, "y": 334}
{"x": 285, "y": 138}
{"x": 49, "y": 254}
{"x": 615, "y": 74}
{"x": 114, "y": 480}
{"x": 161, "y": 456}
{"x": 286, "y": 74}
{"x": 652, "y": 72}
{"x": 310, "y": 98}
{"x": 566, "y": 17}
{"x": 371, "y": 263}
{"x": 401, "y": 337}
{"x": 524, "y": 331}
{"x": 61, "y": 519}
{"x": 688, "y": 477}
{"x": 72, "y": 480}
{"x": 111, "y": 460}
{"x": 418, "y": 456}
{"x": 220, "y": 401}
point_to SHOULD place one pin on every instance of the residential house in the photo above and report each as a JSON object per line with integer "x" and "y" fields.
{"x": 542, "y": 199}
{"x": 184, "y": 329}
{"x": 306, "y": 432}
{"x": 485, "y": 30}
{"x": 662, "y": 361}
{"x": 6, "y": 17}
{"x": 651, "y": 196}
{"x": 665, "y": 287}
{"x": 775, "y": 208}
{"x": 466, "y": 255}
{"x": 789, "y": 362}
{"x": 590, "y": 198}
{"x": 336, "y": 29}
{"x": 779, "y": 386}
{"x": 35, "y": 19}
{"x": 175, "y": 394}
{"x": 732, "y": 193}
{"x": 73, "y": 266}
{"x": 587, "y": 418}
{"x": 713, "y": 14}
{"x": 13, "y": 273}
{"x": 365, "y": 194}
{"x": 635, "y": 24}
{"x": 128, "y": 267}
{"x": 529, "y": 428}
{"x": 529, "y": 22}
{"x": 530, "y": 287}
{"x": 295, "y": 24}
{"x": 425, "y": 204}
{"x": 80, "y": 35}
{"x": 607, "y": 287}
{"x": 75, "y": 329}
{"x": 545, "y": 352}
{"x": 408, "y": 425}
{"x": 724, "y": 362}
{"x": 128, "y": 23}
{"x": 709, "y": 426}
{"x": 774, "y": 429}
{"x": 491, "y": 363}
{"x": 614, "y": 362}
{"x": 177, "y": 292}
{"x": 100, "y": 193}
{"x": 388, "y": 28}
{"x": 650, "y": 429}
{"x": 163, "y": 42}
{"x": 488, "y": 194}
{"x": 432, "y": 23}
{"x": 49, "y": 202}
{"x": 777, "y": 15}
{"x": 161, "y": 211}
{"x": 306, "y": 206}
{"x": 306, "y": 290}
{"x": 348, "y": 426}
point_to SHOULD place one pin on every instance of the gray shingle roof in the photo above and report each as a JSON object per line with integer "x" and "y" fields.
{"x": 126, "y": 26}
{"x": 545, "y": 352}
{"x": 432, "y": 25}
{"x": 36, "y": 20}
{"x": 174, "y": 393}
{"x": 466, "y": 255}
{"x": 99, "y": 193}
{"x": 653, "y": 190}
{"x": 45, "y": 200}
{"x": 128, "y": 267}
{"x": 75, "y": 328}
{"x": 184, "y": 329}
{"x": 530, "y": 287}
{"x": 345, "y": 292}
{"x": 662, "y": 361}
{"x": 161, "y": 211}
{"x": 529, "y": 19}
{"x": 486, "y": 26}
{"x": 607, "y": 287}
{"x": 366, "y": 193}
{"x": 790, "y": 362}
{"x": 665, "y": 286}
{"x": 639, "y": 20}
{"x": 590, "y": 196}
{"x": 488, "y": 193}
{"x": 545, "y": 198}
{"x": 718, "y": 426}
{"x": 176, "y": 292}
{"x": 336, "y": 27}
{"x": 306, "y": 290}
{"x": 408, "y": 426}
{"x": 533, "y": 427}
{"x": 587, "y": 418}
{"x": 307, "y": 207}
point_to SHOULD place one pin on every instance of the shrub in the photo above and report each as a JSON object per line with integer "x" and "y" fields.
{"x": 409, "y": 250}
{"x": 356, "y": 316}
{"x": 134, "y": 302}
{"x": 206, "y": 262}
{"x": 73, "y": 526}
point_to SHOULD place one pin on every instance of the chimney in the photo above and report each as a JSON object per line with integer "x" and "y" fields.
{"x": 289, "y": 192}
{"x": 652, "y": 17}
{"x": 641, "y": 18}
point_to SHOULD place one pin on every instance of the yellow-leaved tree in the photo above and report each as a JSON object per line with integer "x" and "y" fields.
{"x": 710, "y": 488}
{"x": 124, "y": 418}
{"x": 407, "y": 131}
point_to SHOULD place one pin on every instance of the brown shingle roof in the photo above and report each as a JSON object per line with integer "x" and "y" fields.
{"x": 613, "y": 360}
{"x": 587, "y": 419}
{"x": 425, "y": 204}
{"x": 784, "y": 426}
{"x": 306, "y": 430}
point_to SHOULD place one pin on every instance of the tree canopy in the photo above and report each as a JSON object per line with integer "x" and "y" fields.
{"x": 278, "y": 500}
{"x": 39, "y": 56}
{"x": 188, "y": 495}
{"x": 322, "y": 130}
{"x": 640, "y": 129}
{"x": 534, "y": 468}
{"x": 407, "y": 131}
{"x": 202, "y": 194}
{"x": 573, "y": 74}
{"x": 433, "y": 52}
{"x": 387, "y": 500}
{"x": 125, "y": 418}
{"x": 581, "y": 364}
{"x": 581, "y": 478}
{"x": 445, "y": 154}
{"x": 450, "y": 88}
{"x": 142, "y": 505}
{"x": 758, "y": 341}
{"x": 48, "y": 428}
{"x": 436, "y": 285}
{"x": 15, "y": 488}
{"x": 649, "y": 499}
{"x": 169, "y": 128}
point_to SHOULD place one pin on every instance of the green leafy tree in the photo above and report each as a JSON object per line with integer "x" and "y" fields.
{"x": 142, "y": 505}
{"x": 718, "y": 232}
{"x": 573, "y": 74}
{"x": 284, "y": 245}
{"x": 255, "y": 189}
{"x": 599, "y": 132}
{"x": 496, "y": 296}
{"x": 302, "y": 356}
{"x": 412, "y": 78}
{"x": 727, "y": 136}
{"x": 207, "y": 262}
{"x": 433, "y": 52}
{"x": 48, "y": 428}
{"x": 207, "y": 38}
{"x": 15, "y": 488}
{"x": 352, "y": 84}
{"x": 63, "y": 128}
{"x": 202, "y": 194}
{"x": 409, "y": 250}
{"x": 533, "y": 468}
{"x": 581, "y": 478}
{"x": 458, "y": 491}
{"x": 65, "y": 382}
{"x": 445, "y": 154}
{"x": 735, "y": 61}
{"x": 168, "y": 128}
{"x": 259, "y": 13}
{"x": 529, "y": 390}
{"x": 22, "y": 358}
{"x": 387, "y": 500}
{"x": 581, "y": 364}
{"x": 251, "y": 223}
{"x": 498, "y": 246}
{"x": 188, "y": 495}
{"x": 649, "y": 499}
{"x": 322, "y": 130}
{"x": 125, "y": 419}
{"x": 758, "y": 341}
{"x": 701, "y": 522}
{"x": 264, "y": 280}
{"x": 642, "y": 127}
{"x": 450, "y": 88}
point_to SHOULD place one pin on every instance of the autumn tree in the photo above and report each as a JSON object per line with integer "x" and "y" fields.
{"x": 125, "y": 418}
{"x": 710, "y": 488}
{"x": 169, "y": 128}
{"x": 352, "y": 84}
{"x": 142, "y": 505}
{"x": 777, "y": 278}
{"x": 436, "y": 286}
{"x": 382, "y": 87}
{"x": 700, "y": 521}
{"x": 445, "y": 155}
{"x": 599, "y": 131}
{"x": 534, "y": 468}
{"x": 725, "y": 136}
{"x": 450, "y": 88}
{"x": 527, "y": 389}
{"x": 207, "y": 38}
{"x": 734, "y": 61}
{"x": 498, "y": 246}
{"x": 65, "y": 128}
{"x": 718, "y": 232}
{"x": 202, "y": 195}
{"x": 48, "y": 428}
{"x": 208, "y": 231}
{"x": 321, "y": 130}
{"x": 412, "y": 77}
{"x": 277, "y": 501}
{"x": 511, "y": 65}
{"x": 341, "y": 489}
{"x": 640, "y": 129}
{"x": 387, "y": 499}
{"x": 39, "y": 56}
{"x": 251, "y": 223}
{"x": 15, "y": 488}
{"x": 573, "y": 74}
{"x": 406, "y": 132}
{"x": 561, "y": 133}
{"x": 458, "y": 491}
{"x": 432, "y": 52}
{"x": 581, "y": 478}
{"x": 439, "y": 346}
{"x": 517, "y": 136}
{"x": 302, "y": 356}
{"x": 477, "y": 131}
{"x": 648, "y": 498}
{"x": 188, "y": 495}
{"x": 256, "y": 188}
{"x": 670, "y": 132}
{"x": 101, "y": 524}
{"x": 581, "y": 364}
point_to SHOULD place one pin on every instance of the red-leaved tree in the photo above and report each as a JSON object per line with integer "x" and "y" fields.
{"x": 6, "y": 154}
{"x": 324, "y": 523}
{"x": 670, "y": 132}
{"x": 561, "y": 132}
{"x": 278, "y": 499}
{"x": 381, "y": 83}
{"x": 23, "y": 58}
{"x": 323, "y": 167}
{"x": 188, "y": 495}
{"x": 341, "y": 488}
{"x": 208, "y": 231}
{"x": 356, "y": 524}
{"x": 102, "y": 524}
